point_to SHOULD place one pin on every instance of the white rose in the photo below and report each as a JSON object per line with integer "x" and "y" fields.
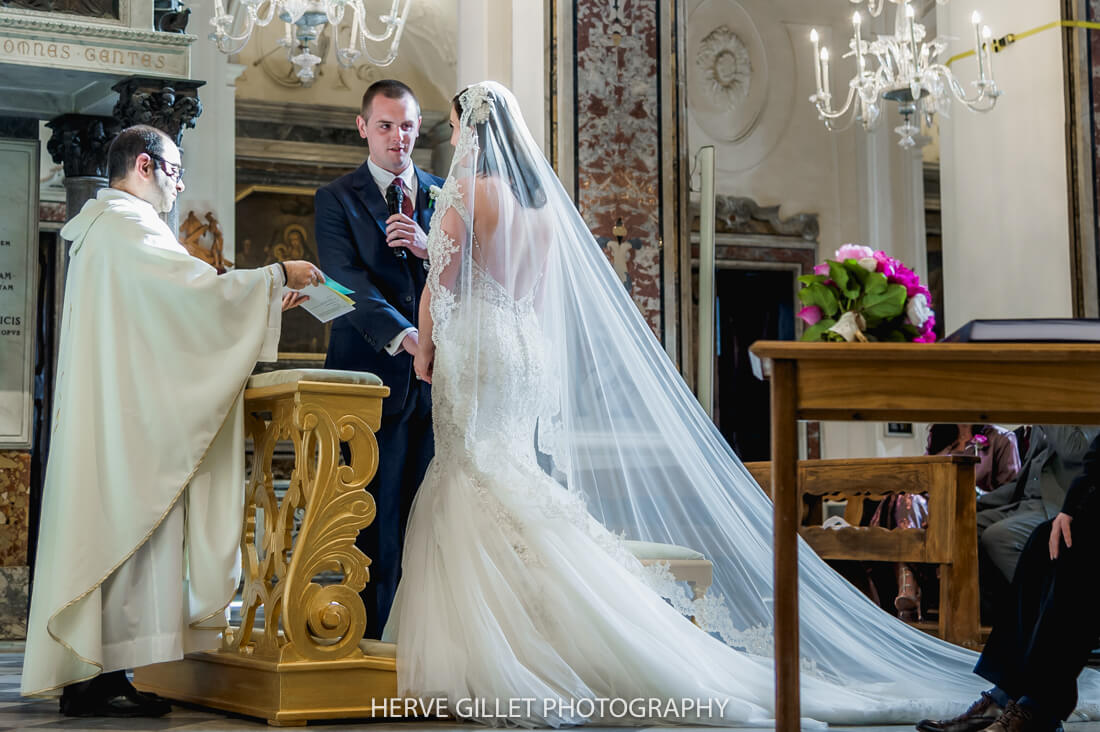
{"x": 917, "y": 310}
{"x": 850, "y": 326}
{"x": 868, "y": 263}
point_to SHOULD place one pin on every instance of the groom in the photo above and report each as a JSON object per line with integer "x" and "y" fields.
{"x": 383, "y": 257}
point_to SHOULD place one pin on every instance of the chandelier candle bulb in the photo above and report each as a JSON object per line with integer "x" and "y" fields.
{"x": 817, "y": 59}
{"x": 856, "y": 20}
{"x": 825, "y": 76}
{"x": 987, "y": 36}
{"x": 976, "y": 19}
{"x": 909, "y": 15}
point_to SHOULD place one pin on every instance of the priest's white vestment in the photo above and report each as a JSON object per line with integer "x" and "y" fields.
{"x": 141, "y": 516}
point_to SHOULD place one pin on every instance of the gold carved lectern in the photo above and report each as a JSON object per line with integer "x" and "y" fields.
{"x": 305, "y": 659}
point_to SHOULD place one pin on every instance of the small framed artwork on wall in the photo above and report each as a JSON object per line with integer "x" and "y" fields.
{"x": 899, "y": 429}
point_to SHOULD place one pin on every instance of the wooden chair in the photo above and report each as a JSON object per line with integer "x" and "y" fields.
{"x": 950, "y": 539}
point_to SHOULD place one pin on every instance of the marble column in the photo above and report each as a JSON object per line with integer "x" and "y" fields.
{"x": 170, "y": 105}
{"x": 79, "y": 143}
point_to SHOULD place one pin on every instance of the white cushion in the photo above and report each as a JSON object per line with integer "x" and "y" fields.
{"x": 292, "y": 376}
{"x": 652, "y": 550}
{"x": 378, "y": 648}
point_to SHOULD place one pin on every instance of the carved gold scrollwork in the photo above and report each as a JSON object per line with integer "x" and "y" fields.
{"x": 304, "y": 620}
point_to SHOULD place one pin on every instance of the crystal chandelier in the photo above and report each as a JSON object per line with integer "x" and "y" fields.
{"x": 908, "y": 71}
{"x": 305, "y": 20}
{"x": 875, "y": 7}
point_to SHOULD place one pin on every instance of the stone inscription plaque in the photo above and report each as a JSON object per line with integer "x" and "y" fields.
{"x": 18, "y": 265}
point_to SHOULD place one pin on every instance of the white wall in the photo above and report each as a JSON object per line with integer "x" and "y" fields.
{"x": 773, "y": 148}
{"x": 208, "y": 149}
{"x": 1003, "y": 176}
{"x": 505, "y": 42}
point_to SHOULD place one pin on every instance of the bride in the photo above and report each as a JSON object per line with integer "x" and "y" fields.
{"x": 562, "y": 430}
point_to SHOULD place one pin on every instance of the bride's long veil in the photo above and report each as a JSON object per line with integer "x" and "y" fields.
{"x": 618, "y": 428}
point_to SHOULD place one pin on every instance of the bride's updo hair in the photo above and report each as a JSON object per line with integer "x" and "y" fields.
{"x": 508, "y": 158}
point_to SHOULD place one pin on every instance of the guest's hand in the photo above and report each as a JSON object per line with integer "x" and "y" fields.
{"x": 424, "y": 362}
{"x": 293, "y": 300}
{"x": 1059, "y": 531}
{"x": 401, "y": 231}
{"x": 300, "y": 273}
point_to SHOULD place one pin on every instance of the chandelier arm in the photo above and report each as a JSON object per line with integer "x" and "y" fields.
{"x": 959, "y": 92}
{"x": 828, "y": 115}
{"x": 222, "y": 35}
{"x": 263, "y": 21}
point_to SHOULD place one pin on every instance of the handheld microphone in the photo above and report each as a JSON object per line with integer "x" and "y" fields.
{"x": 395, "y": 198}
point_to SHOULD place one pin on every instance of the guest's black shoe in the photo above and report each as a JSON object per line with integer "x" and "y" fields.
{"x": 110, "y": 695}
{"x": 980, "y": 715}
{"x": 1021, "y": 718}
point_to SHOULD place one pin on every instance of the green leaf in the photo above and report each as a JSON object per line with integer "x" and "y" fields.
{"x": 818, "y": 329}
{"x": 811, "y": 278}
{"x": 820, "y": 295}
{"x": 856, "y": 272}
{"x": 887, "y": 304}
{"x": 845, "y": 283}
{"x": 876, "y": 282}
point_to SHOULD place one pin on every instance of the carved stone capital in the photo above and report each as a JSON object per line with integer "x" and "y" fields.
{"x": 738, "y": 215}
{"x": 171, "y": 105}
{"x": 80, "y": 142}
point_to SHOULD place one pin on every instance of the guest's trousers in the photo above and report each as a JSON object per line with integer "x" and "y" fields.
{"x": 1042, "y": 637}
{"x": 405, "y": 448}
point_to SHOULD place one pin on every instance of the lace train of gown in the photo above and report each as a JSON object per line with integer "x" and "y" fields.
{"x": 512, "y": 591}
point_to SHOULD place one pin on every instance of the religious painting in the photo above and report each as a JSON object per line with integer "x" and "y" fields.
{"x": 275, "y": 224}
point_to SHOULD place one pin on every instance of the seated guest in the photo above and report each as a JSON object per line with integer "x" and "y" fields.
{"x": 1008, "y": 515}
{"x": 1042, "y": 636}
{"x": 1000, "y": 461}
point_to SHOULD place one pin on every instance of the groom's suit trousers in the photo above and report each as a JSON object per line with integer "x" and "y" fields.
{"x": 405, "y": 448}
{"x": 1043, "y": 634}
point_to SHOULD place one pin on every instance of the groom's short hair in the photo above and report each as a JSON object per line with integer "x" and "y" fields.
{"x": 389, "y": 88}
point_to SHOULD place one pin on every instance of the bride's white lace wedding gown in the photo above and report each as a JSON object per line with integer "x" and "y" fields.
{"x": 552, "y": 401}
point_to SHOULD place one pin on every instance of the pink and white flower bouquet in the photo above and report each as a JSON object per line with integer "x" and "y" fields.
{"x": 865, "y": 295}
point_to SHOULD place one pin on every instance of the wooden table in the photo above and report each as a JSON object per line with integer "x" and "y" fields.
{"x": 1034, "y": 383}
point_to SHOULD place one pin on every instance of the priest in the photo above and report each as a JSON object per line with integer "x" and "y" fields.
{"x": 144, "y": 491}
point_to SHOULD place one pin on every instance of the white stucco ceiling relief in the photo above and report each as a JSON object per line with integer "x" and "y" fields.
{"x": 426, "y": 60}
{"x": 740, "y": 80}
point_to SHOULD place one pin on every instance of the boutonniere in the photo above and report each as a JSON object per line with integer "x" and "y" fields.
{"x": 433, "y": 193}
{"x": 979, "y": 443}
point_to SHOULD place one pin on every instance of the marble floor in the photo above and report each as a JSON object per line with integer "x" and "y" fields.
{"x": 17, "y": 713}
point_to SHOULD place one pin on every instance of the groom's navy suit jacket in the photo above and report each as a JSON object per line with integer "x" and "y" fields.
{"x": 351, "y": 243}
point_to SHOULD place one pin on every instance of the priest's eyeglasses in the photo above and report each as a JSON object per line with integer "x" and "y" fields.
{"x": 173, "y": 171}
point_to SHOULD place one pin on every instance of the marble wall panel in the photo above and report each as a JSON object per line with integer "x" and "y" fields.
{"x": 14, "y": 588}
{"x": 618, "y": 140}
{"x": 15, "y": 478}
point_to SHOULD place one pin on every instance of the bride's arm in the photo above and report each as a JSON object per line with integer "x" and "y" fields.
{"x": 424, "y": 360}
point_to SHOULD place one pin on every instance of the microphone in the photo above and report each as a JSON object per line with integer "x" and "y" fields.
{"x": 395, "y": 198}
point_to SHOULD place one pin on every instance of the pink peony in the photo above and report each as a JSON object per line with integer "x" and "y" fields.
{"x": 853, "y": 251}
{"x": 821, "y": 269}
{"x": 886, "y": 263}
{"x": 811, "y": 314}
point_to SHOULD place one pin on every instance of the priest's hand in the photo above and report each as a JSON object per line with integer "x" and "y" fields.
{"x": 300, "y": 273}
{"x": 293, "y": 300}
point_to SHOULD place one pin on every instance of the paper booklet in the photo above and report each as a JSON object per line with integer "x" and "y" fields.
{"x": 327, "y": 301}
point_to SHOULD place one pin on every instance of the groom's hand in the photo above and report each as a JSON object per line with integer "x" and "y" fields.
{"x": 401, "y": 231}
